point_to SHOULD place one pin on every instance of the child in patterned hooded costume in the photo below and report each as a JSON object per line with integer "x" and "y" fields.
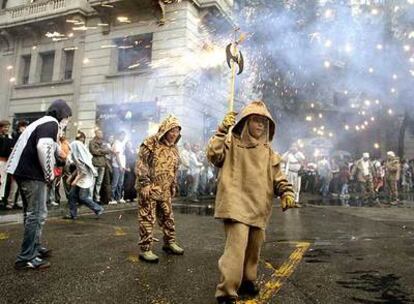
{"x": 249, "y": 177}
{"x": 156, "y": 171}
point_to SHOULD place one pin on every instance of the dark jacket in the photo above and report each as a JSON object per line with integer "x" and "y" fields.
{"x": 98, "y": 151}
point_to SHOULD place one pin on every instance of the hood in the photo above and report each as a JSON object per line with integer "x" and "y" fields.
{"x": 59, "y": 109}
{"x": 258, "y": 108}
{"x": 167, "y": 124}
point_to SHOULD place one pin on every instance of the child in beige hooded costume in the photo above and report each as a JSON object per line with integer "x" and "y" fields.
{"x": 249, "y": 177}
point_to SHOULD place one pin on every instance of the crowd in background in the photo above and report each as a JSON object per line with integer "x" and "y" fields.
{"x": 113, "y": 159}
{"x": 369, "y": 178}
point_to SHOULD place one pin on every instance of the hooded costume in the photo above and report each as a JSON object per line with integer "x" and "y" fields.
{"x": 363, "y": 171}
{"x": 157, "y": 168}
{"x": 392, "y": 175}
{"x": 249, "y": 178}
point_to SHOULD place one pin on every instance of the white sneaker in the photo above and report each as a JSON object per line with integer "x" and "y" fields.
{"x": 19, "y": 204}
{"x": 113, "y": 202}
{"x": 54, "y": 204}
{"x": 122, "y": 201}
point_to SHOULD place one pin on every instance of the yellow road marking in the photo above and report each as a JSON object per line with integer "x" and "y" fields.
{"x": 4, "y": 236}
{"x": 119, "y": 231}
{"x": 280, "y": 275}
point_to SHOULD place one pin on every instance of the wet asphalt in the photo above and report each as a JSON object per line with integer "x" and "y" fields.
{"x": 322, "y": 253}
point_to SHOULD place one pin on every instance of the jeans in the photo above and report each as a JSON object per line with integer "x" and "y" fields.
{"x": 98, "y": 183}
{"x": 344, "y": 190}
{"x": 83, "y": 196}
{"x": 117, "y": 183}
{"x": 34, "y": 195}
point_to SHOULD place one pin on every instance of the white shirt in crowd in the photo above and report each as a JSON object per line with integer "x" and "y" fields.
{"x": 365, "y": 167}
{"x": 118, "y": 147}
{"x": 86, "y": 176}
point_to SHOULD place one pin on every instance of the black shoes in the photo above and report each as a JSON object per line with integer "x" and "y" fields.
{"x": 69, "y": 217}
{"x": 226, "y": 300}
{"x": 36, "y": 263}
{"x": 248, "y": 288}
{"x": 44, "y": 253}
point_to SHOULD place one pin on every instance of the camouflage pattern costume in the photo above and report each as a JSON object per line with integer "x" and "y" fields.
{"x": 365, "y": 182}
{"x": 392, "y": 175}
{"x": 157, "y": 168}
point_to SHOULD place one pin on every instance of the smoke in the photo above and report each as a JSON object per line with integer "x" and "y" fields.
{"x": 355, "y": 57}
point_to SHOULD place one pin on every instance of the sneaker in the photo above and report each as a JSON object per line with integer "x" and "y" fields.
{"x": 248, "y": 288}
{"x": 9, "y": 207}
{"x": 100, "y": 212}
{"x": 173, "y": 248}
{"x": 36, "y": 263}
{"x": 148, "y": 256}
{"x": 44, "y": 253}
{"x": 226, "y": 300}
{"x": 19, "y": 204}
{"x": 395, "y": 203}
{"x": 69, "y": 217}
{"x": 54, "y": 204}
{"x": 113, "y": 202}
{"x": 122, "y": 201}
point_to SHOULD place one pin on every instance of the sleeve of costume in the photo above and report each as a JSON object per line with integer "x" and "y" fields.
{"x": 281, "y": 185}
{"x": 142, "y": 167}
{"x": 46, "y": 146}
{"x": 217, "y": 147}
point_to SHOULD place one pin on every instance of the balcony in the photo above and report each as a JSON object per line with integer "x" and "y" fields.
{"x": 41, "y": 10}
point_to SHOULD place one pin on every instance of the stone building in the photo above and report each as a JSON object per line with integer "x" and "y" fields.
{"x": 117, "y": 62}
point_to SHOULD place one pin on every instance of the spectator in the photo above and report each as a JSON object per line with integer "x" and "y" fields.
{"x": 406, "y": 176}
{"x": 325, "y": 175}
{"x": 118, "y": 168}
{"x": 184, "y": 169}
{"x": 98, "y": 150}
{"x": 6, "y": 146}
{"x": 32, "y": 162}
{"x": 83, "y": 179}
{"x": 130, "y": 194}
{"x": 344, "y": 178}
{"x": 195, "y": 169}
{"x": 12, "y": 197}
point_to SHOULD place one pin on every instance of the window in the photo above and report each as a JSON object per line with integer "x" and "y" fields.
{"x": 3, "y": 4}
{"x": 46, "y": 72}
{"x": 25, "y": 69}
{"x": 134, "y": 52}
{"x": 68, "y": 67}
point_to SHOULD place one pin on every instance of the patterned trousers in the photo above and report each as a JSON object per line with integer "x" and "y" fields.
{"x": 148, "y": 212}
{"x": 367, "y": 189}
{"x": 392, "y": 188}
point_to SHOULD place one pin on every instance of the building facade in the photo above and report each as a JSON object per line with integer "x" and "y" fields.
{"x": 119, "y": 64}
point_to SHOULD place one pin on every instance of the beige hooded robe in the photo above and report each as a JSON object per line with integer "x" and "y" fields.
{"x": 249, "y": 174}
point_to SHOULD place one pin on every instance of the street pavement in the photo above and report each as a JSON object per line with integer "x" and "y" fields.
{"x": 321, "y": 253}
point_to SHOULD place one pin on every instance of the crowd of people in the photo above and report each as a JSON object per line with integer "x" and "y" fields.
{"x": 366, "y": 178}
{"x": 113, "y": 180}
{"x": 113, "y": 161}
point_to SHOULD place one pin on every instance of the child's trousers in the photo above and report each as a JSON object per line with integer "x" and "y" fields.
{"x": 240, "y": 258}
